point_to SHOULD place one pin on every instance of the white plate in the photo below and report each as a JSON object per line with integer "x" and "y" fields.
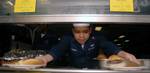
{"x": 22, "y": 66}
{"x": 127, "y": 68}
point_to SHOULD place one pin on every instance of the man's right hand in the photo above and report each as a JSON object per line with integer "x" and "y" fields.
{"x": 45, "y": 59}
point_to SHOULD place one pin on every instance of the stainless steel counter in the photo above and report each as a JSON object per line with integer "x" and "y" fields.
{"x": 5, "y": 69}
{"x": 51, "y": 70}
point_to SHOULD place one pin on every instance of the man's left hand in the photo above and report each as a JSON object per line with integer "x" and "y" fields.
{"x": 128, "y": 56}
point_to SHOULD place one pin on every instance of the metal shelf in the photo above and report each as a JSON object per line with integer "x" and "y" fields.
{"x": 100, "y": 18}
{"x": 49, "y": 11}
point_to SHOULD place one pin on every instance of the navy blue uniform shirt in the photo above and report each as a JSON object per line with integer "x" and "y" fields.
{"x": 81, "y": 55}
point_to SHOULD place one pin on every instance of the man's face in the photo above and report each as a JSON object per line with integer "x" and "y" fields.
{"x": 81, "y": 34}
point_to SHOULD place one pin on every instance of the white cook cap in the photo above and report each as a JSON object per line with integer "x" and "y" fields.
{"x": 81, "y": 24}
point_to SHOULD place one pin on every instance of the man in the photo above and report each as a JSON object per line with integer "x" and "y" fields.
{"x": 83, "y": 47}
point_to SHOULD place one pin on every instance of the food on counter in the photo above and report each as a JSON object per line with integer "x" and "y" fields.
{"x": 22, "y": 57}
{"x": 29, "y": 62}
{"x": 101, "y": 57}
{"x": 9, "y": 61}
{"x": 131, "y": 64}
{"x": 24, "y": 62}
{"x": 116, "y": 61}
{"x": 23, "y": 53}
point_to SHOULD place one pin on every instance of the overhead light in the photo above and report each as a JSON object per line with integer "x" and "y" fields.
{"x": 121, "y": 36}
{"x": 59, "y": 38}
{"x": 126, "y": 41}
{"x": 119, "y": 44}
{"x": 115, "y": 40}
{"x": 98, "y": 28}
{"x": 42, "y": 35}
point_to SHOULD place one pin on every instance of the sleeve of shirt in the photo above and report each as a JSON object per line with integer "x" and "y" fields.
{"x": 108, "y": 47}
{"x": 60, "y": 49}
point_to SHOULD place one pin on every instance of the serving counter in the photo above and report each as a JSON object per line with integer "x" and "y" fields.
{"x": 64, "y": 69}
{"x": 51, "y": 70}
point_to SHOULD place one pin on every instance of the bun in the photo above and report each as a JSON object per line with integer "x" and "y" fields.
{"x": 30, "y": 62}
{"x": 114, "y": 58}
{"x": 116, "y": 61}
{"x": 101, "y": 57}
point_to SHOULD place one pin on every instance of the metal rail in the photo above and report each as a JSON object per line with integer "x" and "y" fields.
{"x": 100, "y": 18}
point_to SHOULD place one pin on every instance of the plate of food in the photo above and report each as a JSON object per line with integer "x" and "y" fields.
{"x": 28, "y": 63}
{"x": 115, "y": 62}
{"x": 22, "y": 66}
{"x": 128, "y": 68}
